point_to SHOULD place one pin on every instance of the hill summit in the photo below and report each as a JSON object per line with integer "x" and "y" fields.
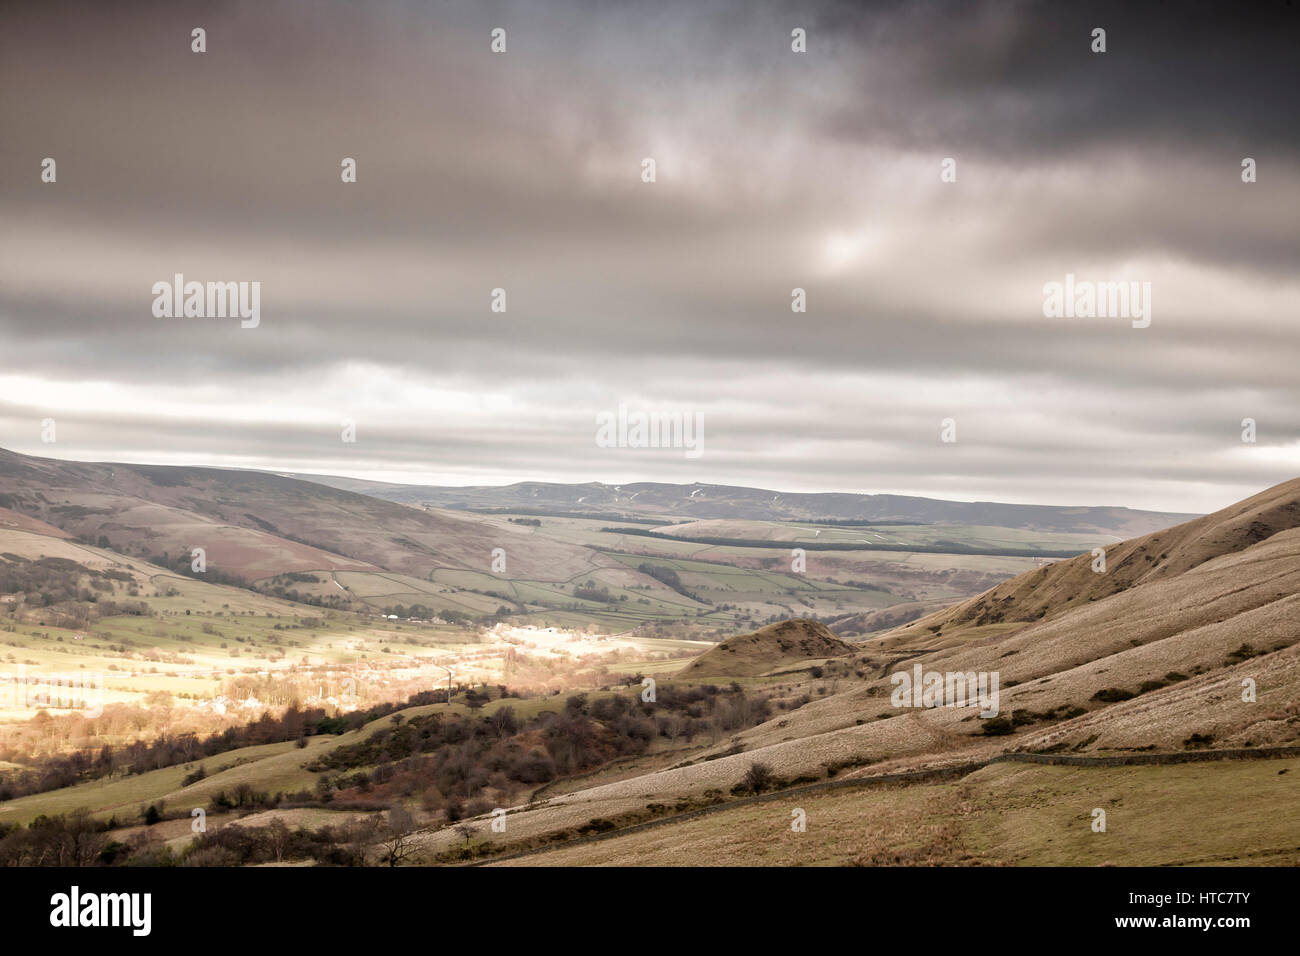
{"x": 1159, "y": 557}
{"x": 747, "y": 655}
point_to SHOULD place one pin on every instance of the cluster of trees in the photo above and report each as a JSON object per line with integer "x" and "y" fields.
{"x": 455, "y": 761}
{"x": 184, "y": 564}
{"x": 669, "y": 578}
{"x": 59, "y": 768}
{"x": 77, "y": 839}
{"x": 281, "y": 586}
{"x": 80, "y": 840}
{"x": 592, "y": 592}
{"x": 336, "y": 602}
{"x": 55, "y": 771}
{"x": 59, "y": 578}
{"x": 345, "y": 844}
{"x": 460, "y": 765}
{"x": 58, "y": 582}
{"x": 375, "y": 838}
{"x": 296, "y": 577}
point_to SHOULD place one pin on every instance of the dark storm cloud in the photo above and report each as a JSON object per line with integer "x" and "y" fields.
{"x": 1021, "y": 76}
{"x": 776, "y": 170}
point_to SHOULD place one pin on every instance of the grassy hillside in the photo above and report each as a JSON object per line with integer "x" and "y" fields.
{"x": 1183, "y": 642}
{"x": 767, "y": 649}
{"x": 1149, "y": 559}
{"x": 1007, "y": 814}
{"x": 334, "y": 548}
{"x": 255, "y": 525}
{"x": 1203, "y": 653}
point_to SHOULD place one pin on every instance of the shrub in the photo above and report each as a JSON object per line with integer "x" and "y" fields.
{"x": 758, "y": 778}
{"x": 1110, "y": 695}
{"x": 997, "y": 727}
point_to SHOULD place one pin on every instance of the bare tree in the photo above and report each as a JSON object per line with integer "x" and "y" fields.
{"x": 672, "y": 726}
{"x": 401, "y": 837}
{"x": 84, "y": 841}
{"x": 360, "y": 834}
{"x": 277, "y": 838}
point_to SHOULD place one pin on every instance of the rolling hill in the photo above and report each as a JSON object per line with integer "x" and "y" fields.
{"x": 1153, "y": 559}
{"x": 254, "y": 525}
{"x": 335, "y": 547}
{"x": 1166, "y": 684}
{"x": 768, "y": 649}
{"x": 653, "y": 499}
{"x": 1186, "y": 646}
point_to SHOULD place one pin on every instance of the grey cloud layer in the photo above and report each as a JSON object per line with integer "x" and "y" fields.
{"x": 775, "y": 170}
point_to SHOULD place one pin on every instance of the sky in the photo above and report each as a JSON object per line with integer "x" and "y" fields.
{"x": 774, "y": 170}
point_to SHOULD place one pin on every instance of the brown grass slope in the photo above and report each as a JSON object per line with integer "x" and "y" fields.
{"x": 1064, "y": 585}
{"x": 767, "y": 649}
{"x": 14, "y": 521}
{"x": 256, "y": 525}
{"x": 1157, "y": 662}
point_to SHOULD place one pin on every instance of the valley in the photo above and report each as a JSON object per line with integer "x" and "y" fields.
{"x": 531, "y": 688}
